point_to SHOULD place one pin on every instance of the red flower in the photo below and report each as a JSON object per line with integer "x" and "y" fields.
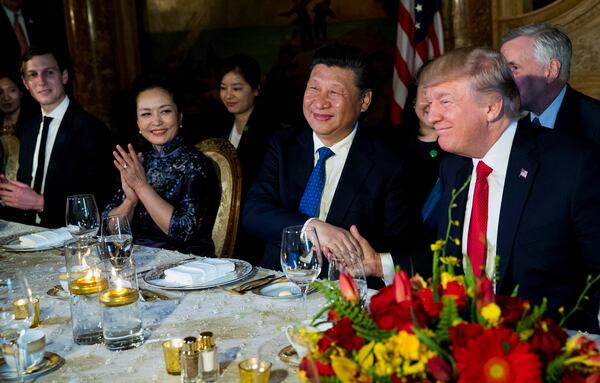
{"x": 484, "y": 292}
{"x": 548, "y": 339}
{"x": 512, "y": 309}
{"x": 457, "y": 291}
{"x": 398, "y": 316}
{"x": 402, "y": 287}
{"x": 322, "y": 369}
{"x": 348, "y": 288}
{"x": 497, "y": 356}
{"x": 463, "y": 332}
{"x": 343, "y": 335}
{"x": 439, "y": 369}
{"x": 573, "y": 376}
{"x": 425, "y": 296}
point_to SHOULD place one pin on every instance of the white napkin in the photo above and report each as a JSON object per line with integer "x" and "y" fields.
{"x": 195, "y": 272}
{"x": 45, "y": 238}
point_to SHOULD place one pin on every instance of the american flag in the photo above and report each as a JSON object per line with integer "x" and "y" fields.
{"x": 420, "y": 38}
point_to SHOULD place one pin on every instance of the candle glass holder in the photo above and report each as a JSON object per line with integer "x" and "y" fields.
{"x": 121, "y": 314}
{"x": 85, "y": 283}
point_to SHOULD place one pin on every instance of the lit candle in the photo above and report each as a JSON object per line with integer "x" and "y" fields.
{"x": 119, "y": 296}
{"x": 90, "y": 284}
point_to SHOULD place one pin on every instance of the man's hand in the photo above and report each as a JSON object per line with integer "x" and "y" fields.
{"x": 335, "y": 240}
{"x": 18, "y": 195}
{"x": 372, "y": 259}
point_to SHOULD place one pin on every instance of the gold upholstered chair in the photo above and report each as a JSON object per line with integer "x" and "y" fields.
{"x": 227, "y": 165}
{"x": 9, "y": 163}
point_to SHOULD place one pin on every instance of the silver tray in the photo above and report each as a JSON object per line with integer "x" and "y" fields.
{"x": 156, "y": 277}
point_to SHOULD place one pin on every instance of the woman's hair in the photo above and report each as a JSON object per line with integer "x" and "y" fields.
{"x": 245, "y": 66}
{"x": 146, "y": 83}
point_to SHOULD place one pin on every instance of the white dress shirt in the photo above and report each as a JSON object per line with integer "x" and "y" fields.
{"x": 57, "y": 115}
{"x": 235, "y": 137}
{"x": 548, "y": 116}
{"x": 11, "y": 17}
{"x": 497, "y": 159}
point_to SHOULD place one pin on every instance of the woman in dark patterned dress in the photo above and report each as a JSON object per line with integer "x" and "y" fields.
{"x": 170, "y": 193}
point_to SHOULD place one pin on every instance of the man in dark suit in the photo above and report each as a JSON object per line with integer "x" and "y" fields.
{"x": 364, "y": 182}
{"x": 540, "y": 59}
{"x": 534, "y": 195}
{"x": 64, "y": 150}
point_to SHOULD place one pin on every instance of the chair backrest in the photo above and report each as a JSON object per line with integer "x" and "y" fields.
{"x": 9, "y": 161}
{"x": 227, "y": 165}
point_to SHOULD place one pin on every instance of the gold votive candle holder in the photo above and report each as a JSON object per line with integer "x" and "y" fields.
{"x": 254, "y": 370}
{"x": 172, "y": 355}
{"x": 21, "y": 310}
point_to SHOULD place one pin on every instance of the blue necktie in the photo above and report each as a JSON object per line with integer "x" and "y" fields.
{"x": 311, "y": 199}
{"x": 536, "y": 121}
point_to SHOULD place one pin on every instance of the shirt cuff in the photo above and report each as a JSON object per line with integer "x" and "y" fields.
{"x": 307, "y": 222}
{"x": 387, "y": 267}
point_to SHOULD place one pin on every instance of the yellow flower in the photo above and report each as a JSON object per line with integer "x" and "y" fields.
{"x": 491, "y": 313}
{"x": 347, "y": 371}
{"x": 450, "y": 260}
{"x": 447, "y": 277}
{"x": 438, "y": 245}
{"x": 366, "y": 356}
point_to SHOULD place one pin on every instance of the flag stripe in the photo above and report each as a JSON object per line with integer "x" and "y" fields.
{"x": 419, "y": 38}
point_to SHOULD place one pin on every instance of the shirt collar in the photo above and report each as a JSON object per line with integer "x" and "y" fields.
{"x": 497, "y": 157}
{"x": 11, "y": 15}
{"x": 343, "y": 145}
{"x": 58, "y": 112}
{"x": 548, "y": 116}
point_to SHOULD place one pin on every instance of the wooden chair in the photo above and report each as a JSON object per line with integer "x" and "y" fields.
{"x": 227, "y": 165}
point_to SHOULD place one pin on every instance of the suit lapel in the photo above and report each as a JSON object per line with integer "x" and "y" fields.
{"x": 358, "y": 165}
{"x": 300, "y": 163}
{"x": 60, "y": 141}
{"x": 520, "y": 174}
{"x": 27, "y": 148}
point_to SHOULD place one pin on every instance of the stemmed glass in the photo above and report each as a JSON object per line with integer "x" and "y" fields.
{"x": 301, "y": 258}
{"x": 350, "y": 264}
{"x": 82, "y": 216}
{"x": 116, "y": 238}
{"x": 16, "y": 315}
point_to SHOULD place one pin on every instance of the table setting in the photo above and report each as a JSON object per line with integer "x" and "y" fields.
{"x": 226, "y": 308}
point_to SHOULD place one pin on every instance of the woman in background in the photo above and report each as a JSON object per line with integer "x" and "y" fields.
{"x": 170, "y": 193}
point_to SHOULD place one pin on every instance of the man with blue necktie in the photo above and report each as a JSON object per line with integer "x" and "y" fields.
{"x": 332, "y": 174}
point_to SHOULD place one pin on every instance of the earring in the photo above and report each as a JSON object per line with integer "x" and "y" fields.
{"x": 180, "y": 126}
{"x": 139, "y": 131}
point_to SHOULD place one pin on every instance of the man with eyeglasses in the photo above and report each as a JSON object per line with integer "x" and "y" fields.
{"x": 64, "y": 150}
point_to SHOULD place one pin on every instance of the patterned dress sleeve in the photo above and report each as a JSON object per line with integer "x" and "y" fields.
{"x": 198, "y": 203}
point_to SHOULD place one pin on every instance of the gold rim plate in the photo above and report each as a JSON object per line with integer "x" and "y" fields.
{"x": 50, "y": 363}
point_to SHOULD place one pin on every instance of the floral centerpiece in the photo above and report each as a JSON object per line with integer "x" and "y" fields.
{"x": 451, "y": 328}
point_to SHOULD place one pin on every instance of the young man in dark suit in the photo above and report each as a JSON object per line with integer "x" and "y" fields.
{"x": 364, "y": 180}
{"x": 64, "y": 150}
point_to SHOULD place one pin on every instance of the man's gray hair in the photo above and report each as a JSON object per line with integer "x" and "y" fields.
{"x": 549, "y": 42}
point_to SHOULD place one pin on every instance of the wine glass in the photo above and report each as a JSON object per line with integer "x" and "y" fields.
{"x": 116, "y": 238}
{"x": 82, "y": 217}
{"x": 16, "y": 315}
{"x": 301, "y": 259}
{"x": 351, "y": 264}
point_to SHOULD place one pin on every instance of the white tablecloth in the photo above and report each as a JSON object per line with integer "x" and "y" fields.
{"x": 244, "y": 325}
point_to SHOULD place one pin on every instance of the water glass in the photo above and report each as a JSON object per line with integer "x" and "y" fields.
{"x": 82, "y": 216}
{"x": 85, "y": 283}
{"x": 17, "y": 313}
{"x": 301, "y": 258}
{"x": 116, "y": 238}
{"x": 121, "y": 314}
{"x": 352, "y": 265}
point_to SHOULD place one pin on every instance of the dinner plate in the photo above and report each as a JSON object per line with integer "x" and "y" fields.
{"x": 16, "y": 247}
{"x": 156, "y": 277}
{"x": 281, "y": 290}
{"x": 50, "y": 363}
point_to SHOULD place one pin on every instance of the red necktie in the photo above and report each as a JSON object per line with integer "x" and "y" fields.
{"x": 476, "y": 240}
{"x": 20, "y": 34}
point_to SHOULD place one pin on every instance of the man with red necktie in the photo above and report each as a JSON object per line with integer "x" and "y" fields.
{"x": 529, "y": 216}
